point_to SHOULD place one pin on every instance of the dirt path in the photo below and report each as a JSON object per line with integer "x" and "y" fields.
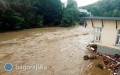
{"x": 60, "y": 51}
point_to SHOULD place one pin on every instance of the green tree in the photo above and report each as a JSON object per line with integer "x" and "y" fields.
{"x": 109, "y": 8}
{"x": 19, "y": 14}
{"x": 95, "y": 11}
{"x": 70, "y": 14}
{"x": 51, "y": 10}
{"x": 116, "y": 13}
{"x": 10, "y": 20}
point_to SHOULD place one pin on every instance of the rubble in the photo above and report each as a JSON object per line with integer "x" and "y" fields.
{"x": 111, "y": 62}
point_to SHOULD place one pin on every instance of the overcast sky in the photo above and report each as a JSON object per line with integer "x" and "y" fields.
{"x": 83, "y": 2}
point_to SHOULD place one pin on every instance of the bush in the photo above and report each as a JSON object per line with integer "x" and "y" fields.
{"x": 81, "y": 22}
{"x": 99, "y": 66}
{"x": 86, "y": 57}
{"x": 67, "y": 20}
{"x": 11, "y": 20}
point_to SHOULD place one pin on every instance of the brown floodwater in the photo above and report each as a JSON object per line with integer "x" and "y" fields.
{"x": 59, "y": 50}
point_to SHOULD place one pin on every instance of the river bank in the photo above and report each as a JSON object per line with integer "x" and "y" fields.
{"x": 110, "y": 61}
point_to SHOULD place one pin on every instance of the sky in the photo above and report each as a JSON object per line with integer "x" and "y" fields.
{"x": 82, "y": 2}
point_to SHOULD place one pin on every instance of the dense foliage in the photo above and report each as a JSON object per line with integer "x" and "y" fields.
{"x": 51, "y": 10}
{"x": 21, "y": 14}
{"x": 107, "y": 8}
{"x": 70, "y": 13}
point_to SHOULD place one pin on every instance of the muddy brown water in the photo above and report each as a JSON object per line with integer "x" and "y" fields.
{"x": 60, "y": 51}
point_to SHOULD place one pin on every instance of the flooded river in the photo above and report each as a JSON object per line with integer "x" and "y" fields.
{"x": 59, "y": 51}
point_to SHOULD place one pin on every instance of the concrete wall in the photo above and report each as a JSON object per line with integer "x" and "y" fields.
{"x": 118, "y": 24}
{"x": 89, "y": 24}
{"x": 108, "y": 50}
{"x": 97, "y": 23}
{"x": 109, "y": 32}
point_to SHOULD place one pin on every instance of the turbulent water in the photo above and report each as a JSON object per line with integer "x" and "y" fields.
{"x": 59, "y": 50}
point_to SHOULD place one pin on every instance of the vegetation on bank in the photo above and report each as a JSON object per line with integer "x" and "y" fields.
{"x": 86, "y": 57}
{"x": 105, "y": 8}
{"x": 22, "y": 14}
{"x": 99, "y": 66}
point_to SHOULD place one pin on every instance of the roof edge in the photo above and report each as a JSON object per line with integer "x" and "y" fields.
{"x": 101, "y": 18}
